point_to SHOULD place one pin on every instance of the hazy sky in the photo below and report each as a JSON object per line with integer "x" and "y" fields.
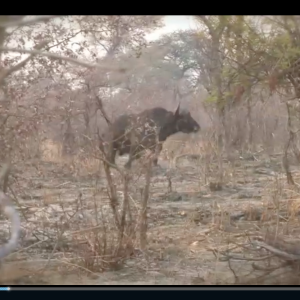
{"x": 173, "y": 23}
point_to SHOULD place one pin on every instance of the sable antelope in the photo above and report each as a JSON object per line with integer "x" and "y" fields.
{"x": 133, "y": 133}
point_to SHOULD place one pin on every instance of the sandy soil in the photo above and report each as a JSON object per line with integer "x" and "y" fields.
{"x": 190, "y": 223}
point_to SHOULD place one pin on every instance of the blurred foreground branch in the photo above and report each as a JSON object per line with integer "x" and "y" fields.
{"x": 11, "y": 213}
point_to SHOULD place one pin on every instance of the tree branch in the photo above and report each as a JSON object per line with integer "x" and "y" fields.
{"x": 21, "y": 64}
{"x": 103, "y": 66}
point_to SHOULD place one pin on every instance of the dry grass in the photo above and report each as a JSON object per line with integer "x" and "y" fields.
{"x": 181, "y": 144}
{"x": 193, "y": 239}
{"x": 81, "y": 164}
{"x": 51, "y": 151}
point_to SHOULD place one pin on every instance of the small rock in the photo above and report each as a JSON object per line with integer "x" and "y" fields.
{"x": 215, "y": 186}
{"x": 264, "y": 172}
{"x": 93, "y": 276}
{"x": 173, "y": 196}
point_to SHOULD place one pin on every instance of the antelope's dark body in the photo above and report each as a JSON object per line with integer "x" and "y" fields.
{"x": 133, "y": 133}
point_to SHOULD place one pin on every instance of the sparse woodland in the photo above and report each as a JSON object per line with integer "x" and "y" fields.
{"x": 224, "y": 206}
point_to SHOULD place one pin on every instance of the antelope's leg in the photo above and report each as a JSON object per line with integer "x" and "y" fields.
{"x": 156, "y": 151}
{"x": 112, "y": 151}
{"x": 132, "y": 151}
{"x": 134, "y": 154}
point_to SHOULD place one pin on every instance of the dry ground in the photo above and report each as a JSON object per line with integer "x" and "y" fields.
{"x": 190, "y": 223}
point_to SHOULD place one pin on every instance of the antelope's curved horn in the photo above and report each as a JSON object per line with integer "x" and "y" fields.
{"x": 177, "y": 110}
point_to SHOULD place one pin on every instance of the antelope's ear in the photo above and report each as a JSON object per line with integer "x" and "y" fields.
{"x": 176, "y": 114}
